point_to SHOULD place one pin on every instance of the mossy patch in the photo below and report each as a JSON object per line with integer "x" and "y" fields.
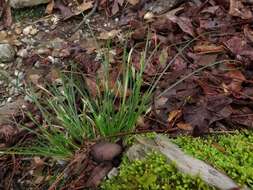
{"x": 29, "y": 13}
{"x": 232, "y": 154}
{"x": 152, "y": 173}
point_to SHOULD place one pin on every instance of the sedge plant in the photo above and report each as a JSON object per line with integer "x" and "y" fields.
{"x": 71, "y": 114}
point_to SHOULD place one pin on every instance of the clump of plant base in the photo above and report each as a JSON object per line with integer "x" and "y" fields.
{"x": 152, "y": 173}
{"x": 232, "y": 154}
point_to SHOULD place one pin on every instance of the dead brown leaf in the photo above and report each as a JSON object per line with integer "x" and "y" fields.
{"x": 108, "y": 35}
{"x": 248, "y": 32}
{"x": 207, "y": 47}
{"x": 237, "y": 8}
{"x": 237, "y": 80}
{"x": 184, "y": 23}
{"x": 239, "y": 46}
{"x": 50, "y": 7}
{"x": 133, "y": 2}
{"x": 185, "y": 126}
{"x": 174, "y": 115}
{"x": 83, "y": 7}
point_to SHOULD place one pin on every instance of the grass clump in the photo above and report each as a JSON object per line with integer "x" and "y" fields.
{"x": 152, "y": 173}
{"x": 232, "y": 154}
{"x": 72, "y": 114}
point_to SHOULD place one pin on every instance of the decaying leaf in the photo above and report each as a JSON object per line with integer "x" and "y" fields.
{"x": 83, "y": 7}
{"x": 184, "y": 23}
{"x": 108, "y": 35}
{"x": 239, "y": 46}
{"x": 207, "y": 47}
{"x": 50, "y": 7}
{"x": 185, "y": 126}
{"x": 133, "y": 2}
{"x": 238, "y": 9}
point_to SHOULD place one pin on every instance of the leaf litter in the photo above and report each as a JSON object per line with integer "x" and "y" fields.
{"x": 188, "y": 35}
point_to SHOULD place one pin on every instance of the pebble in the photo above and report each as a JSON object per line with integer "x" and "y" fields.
{"x": 7, "y": 53}
{"x": 22, "y": 53}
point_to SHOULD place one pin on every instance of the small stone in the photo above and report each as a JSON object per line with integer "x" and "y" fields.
{"x": 34, "y": 78}
{"x": 27, "y": 98}
{"x": 22, "y": 53}
{"x": 18, "y": 30}
{"x": 149, "y": 16}
{"x": 37, "y": 64}
{"x": 34, "y": 31}
{"x": 9, "y": 99}
{"x": 42, "y": 51}
{"x": 30, "y": 30}
{"x": 114, "y": 172}
{"x": 7, "y": 53}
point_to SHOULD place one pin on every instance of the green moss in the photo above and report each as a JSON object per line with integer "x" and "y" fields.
{"x": 152, "y": 173}
{"x": 129, "y": 140}
{"x": 28, "y": 13}
{"x": 232, "y": 154}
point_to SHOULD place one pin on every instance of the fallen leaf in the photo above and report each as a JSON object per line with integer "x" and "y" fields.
{"x": 133, "y": 2}
{"x": 185, "y": 126}
{"x": 50, "y": 7}
{"x": 239, "y": 46}
{"x": 115, "y": 7}
{"x": 7, "y": 132}
{"x": 237, "y": 8}
{"x": 237, "y": 80}
{"x": 98, "y": 174}
{"x": 65, "y": 10}
{"x": 174, "y": 115}
{"x": 83, "y": 7}
{"x": 184, "y": 23}
{"x": 92, "y": 86}
{"x": 248, "y": 32}
{"x": 207, "y": 47}
{"x": 108, "y": 35}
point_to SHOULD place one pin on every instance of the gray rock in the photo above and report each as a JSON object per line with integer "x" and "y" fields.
{"x": 26, "y": 3}
{"x": 7, "y": 53}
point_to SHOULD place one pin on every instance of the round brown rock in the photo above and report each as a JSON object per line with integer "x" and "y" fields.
{"x": 105, "y": 151}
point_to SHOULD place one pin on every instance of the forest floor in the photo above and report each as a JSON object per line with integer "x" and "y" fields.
{"x": 199, "y": 52}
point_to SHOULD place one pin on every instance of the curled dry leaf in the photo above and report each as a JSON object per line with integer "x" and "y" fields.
{"x": 237, "y": 8}
{"x": 174, "y": 115}
{"x": 185, "y": 126}
{"x": 207, "y": 47}
{"x": 50, "y": 7}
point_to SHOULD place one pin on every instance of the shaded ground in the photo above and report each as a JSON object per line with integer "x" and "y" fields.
{"x": 205, "y": 45}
